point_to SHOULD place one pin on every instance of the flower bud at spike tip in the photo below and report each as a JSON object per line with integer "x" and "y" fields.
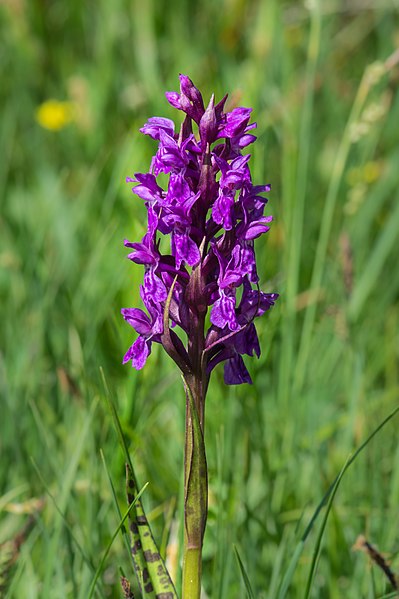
{"x": 188, "y": 88}
{"x": 208, "y": 126}
{"x": 210, "y": 212}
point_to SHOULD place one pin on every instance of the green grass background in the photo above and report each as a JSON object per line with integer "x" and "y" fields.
{"x": 328, "y": 132}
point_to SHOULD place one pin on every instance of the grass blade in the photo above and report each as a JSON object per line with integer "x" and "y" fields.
{"x": 316, "y": 552}
{"x": 107, "y": 550}
{"x": 248, "y": 588}
{"x": 116, "y": 504}
{"x": 115, "y": 419}
{"x": 78, "y": 546}
{"x": 289, "y": 574}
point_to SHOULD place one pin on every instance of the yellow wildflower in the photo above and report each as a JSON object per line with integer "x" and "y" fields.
{"x": 372, "y": 171}
{"x": 54, "y": 115}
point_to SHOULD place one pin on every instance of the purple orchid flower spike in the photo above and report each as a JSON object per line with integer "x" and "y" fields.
{"x": 211, "y": 213}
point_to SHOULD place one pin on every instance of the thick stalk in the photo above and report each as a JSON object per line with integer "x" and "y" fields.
{"x": 195, "y": 468}
{"x": 196, "y": 494}
{"x": 192, "y": 570}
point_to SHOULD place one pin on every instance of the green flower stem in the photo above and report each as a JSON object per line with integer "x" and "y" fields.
{"x": 192, "y": 569}
{"x": 196, "y": 495}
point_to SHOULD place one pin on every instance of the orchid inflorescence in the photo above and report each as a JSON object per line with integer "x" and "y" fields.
{"x": 212, "y": 213}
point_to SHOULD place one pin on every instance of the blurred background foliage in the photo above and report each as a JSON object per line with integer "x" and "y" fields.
{"x": 78, "y": 79}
